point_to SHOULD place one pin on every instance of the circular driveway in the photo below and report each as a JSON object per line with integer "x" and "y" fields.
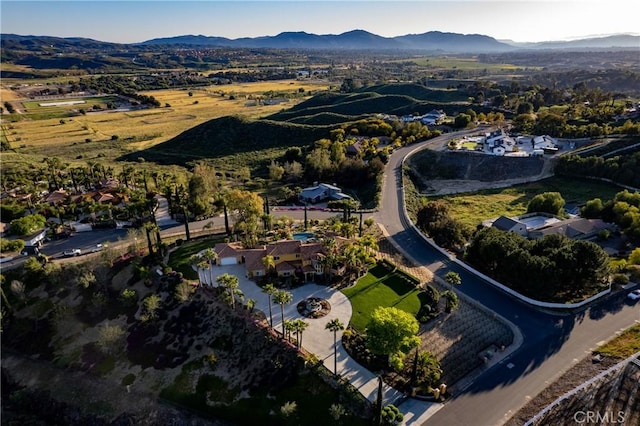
{"x": 316, "y": 339}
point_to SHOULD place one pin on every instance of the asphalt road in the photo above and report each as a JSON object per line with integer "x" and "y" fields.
{"x": 551, "y": 342}
{"x": 86, "y": 241}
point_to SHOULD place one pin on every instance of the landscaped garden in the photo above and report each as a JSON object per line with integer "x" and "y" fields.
{"x": 382, "y": 287}
{"x": 453, "y": 342}
{"x": 136, "y": 331}
{"x": 181, "y": 260}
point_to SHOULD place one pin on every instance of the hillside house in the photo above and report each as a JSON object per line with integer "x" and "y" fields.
{"x": 291, "y": 258}
{"x": 508, "y": 224}
{"x": 433, "y": 117}
{"x": 575, "y": 228}
{"x": 56, "y": 197}
{"x": 322, "y": 192}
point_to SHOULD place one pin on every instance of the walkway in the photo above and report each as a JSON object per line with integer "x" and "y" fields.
{"x": 319, "y": 341}
{"x": 163, "y": 217}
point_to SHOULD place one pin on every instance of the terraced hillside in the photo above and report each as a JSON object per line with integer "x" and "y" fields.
{"x": 396, "y": 99}
{"x": 615, "y": 395}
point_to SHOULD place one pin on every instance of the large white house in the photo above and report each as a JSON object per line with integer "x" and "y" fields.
{"x": 322, "y": 192}
{"x": 433, "y": 117}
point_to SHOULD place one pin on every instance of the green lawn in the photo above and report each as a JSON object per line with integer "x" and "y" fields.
{"x": 179, "y": 259}
{"x": 380, "y": 287}
{"x": 472, "y": 209}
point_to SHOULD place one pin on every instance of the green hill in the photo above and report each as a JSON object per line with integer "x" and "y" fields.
{"x": 252, "y": 141}
{"x": 326, "y": 118}
{"x": 419, "y": 92}
{"x": 226, "y": 136}
{"x": 396, "y": 99}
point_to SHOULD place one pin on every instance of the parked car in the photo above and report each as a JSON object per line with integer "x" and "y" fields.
{"x": 97, "y": 248}
{"x": 30, "y": 251}
{"x": 72, "y": 252}
{"x": 634, "y": 295}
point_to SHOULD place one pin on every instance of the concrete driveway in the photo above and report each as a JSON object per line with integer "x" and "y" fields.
{"x": 319, "y": 341}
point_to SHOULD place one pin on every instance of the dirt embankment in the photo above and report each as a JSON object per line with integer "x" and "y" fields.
{"x": 616, "y": 393}
{"x": 440, "y": 173}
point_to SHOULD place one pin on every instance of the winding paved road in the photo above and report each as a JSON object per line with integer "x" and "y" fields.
{"x": 552, "y": 342}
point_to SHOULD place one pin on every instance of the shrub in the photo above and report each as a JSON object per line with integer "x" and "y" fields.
{"x": 619, "y": 279}
{"x": 9, "y": 246}
{"x": 128, "y": 379}
{"x": 634, "y": 272}
{"x": 288, "y": 408}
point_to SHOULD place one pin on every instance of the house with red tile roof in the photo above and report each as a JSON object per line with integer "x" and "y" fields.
{"x": 291, "y": 258}
{"x": 56, "y": 197}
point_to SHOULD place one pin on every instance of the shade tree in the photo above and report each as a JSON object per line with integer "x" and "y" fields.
{"x": 392, "y": 332}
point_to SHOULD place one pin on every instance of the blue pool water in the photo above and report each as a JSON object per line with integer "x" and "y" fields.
{"x": 303, "y": 236}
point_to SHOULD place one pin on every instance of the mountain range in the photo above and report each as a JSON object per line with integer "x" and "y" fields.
{"x": 429, "y": 41}
{"x": 434, "y": 41}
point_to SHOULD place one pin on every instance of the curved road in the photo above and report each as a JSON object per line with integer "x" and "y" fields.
{"x": 552, "y": 342}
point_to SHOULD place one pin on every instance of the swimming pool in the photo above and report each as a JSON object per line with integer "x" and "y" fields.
{"x": 303, "y": 236}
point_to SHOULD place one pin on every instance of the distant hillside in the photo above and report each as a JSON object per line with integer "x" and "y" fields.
{"x": 612, "y": 41}
{"x": 227, "y": 136}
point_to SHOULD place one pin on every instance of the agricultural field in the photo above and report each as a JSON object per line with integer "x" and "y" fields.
{"x": 461, "y": 63}
{"x": 472, "y": 209}
{"x": 87, "y": 137}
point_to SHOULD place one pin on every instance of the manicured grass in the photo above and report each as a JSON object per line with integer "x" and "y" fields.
{"x": 624, "y": 345}
{"x": 380, "y": 287}
{"x": 179, "y": 259}
{"x": 471, "y": 209}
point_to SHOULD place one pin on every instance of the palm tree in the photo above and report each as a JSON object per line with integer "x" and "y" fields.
{"x": 270, "y": 289}
{"x": 269, "y": 263}
{"x": 231, "y": 284}
{"x": 335, "y": 325}
{"x": 299, "y": 327}
{"x": 452, "y": 278}
{"x": 210, "y": 256}
{"x": 369, "y": 242}
{"x": 289, "y": 327}
{"x": 148, "y": 227}
{"x": 282, "y": 297}
{"x": 202, "y": 265}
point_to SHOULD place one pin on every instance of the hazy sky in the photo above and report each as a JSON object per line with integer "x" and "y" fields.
{"x": 136, "y": 21}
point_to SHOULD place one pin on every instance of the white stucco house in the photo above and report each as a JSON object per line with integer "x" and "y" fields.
{"x": 322, "y": 192}
{"x": 433, "y": 117}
